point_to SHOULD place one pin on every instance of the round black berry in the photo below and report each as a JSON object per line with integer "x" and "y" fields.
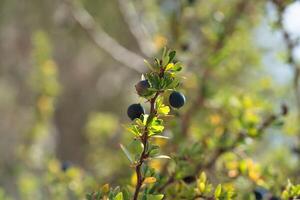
{"x": 65, "y": 165}
{"x": 176, "y": 99}
{"x": 260, "y": 193}
{"x": 135, "y": 111}
{"x": 142, "y": 87}
{"x": 189, "y": 179}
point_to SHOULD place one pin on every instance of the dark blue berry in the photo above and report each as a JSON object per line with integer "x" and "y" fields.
{"x": 65, "y": 165}
{"x": 176, "y": 99}
{"x": 260, "y": 193}
{"x": 189, "y": 179}
{"x": 135, "y": 111}
{"x": 142, "y": 87}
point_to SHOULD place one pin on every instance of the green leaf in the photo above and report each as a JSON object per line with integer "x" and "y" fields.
{"x": 169, "y": 66}
{"x": 161, "y": 108}
{"x": 145, "y": 119}
{"x": 203, "y": 178}
{"x": 150, "y": 180}
{"x": 201, "y": 187}
{"x": 164, "y": 53}
{"x": 153, "y": 150}
{"x": 165, "y": 61}
{"x": 154, "y": 80}
{"x": 155, "y": 197}
{"x": 218, "y": 191}
{"x": 165, "y": 57}
{"x": 162, "y": 157}
{"x": 172, "y": 55}
{"x": 149, "y": 65}
{"x": 134, "y": 130}
{"x": 139, "y": 122}
{"x": 156, "y": 126}
{"x": 136, "y": 147}
{"x": 177, "y": 67}
{"x": 157, "y": 63}
{"x": 126, "y": 193}
{"x": 161, "y": 137}
{"x": 243, "y": 167}
{"x": 126, "y": 152}
{"x": 119, "y": 196}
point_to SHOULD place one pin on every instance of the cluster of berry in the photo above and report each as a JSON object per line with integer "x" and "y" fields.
{"x": 176, "y": 100}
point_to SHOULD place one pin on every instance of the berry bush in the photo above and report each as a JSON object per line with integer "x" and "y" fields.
{"x": 212, "y": 113}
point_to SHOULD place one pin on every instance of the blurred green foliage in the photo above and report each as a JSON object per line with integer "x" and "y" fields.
{"x": 64, "y": 100}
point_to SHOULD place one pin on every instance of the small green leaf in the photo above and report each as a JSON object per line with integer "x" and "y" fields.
{"x": 149, "y": 65}
{"x": 165, "y": 61}
{"x": 136, "y": 147}
{"x": 203, "y": 177}
{"x": 119, "y": 196}
{"x": 201, "y": 187}
{"x": 149, "y": 180}
{"x": 157, "y": 63}
{"x": 165, "y": 57}
{"x": 161, "y": 108}
{"x": 134, "y": 130}
{"x": 162, "y": 157}
{"x": 160, "y": 137}
{"x": 126, "y": 152}
{"x": 169, "y": 66}
{"x": 218, "y": 191}
{"x": 164, "y": 53}
{"x": 172, "y": 55}
{"x": 164, "y": 110}
{"x": 155, "y": 197}
{"x": 139, "y": 122}
{"x": 177, "y": 67}
{"x": 154, "y": 150}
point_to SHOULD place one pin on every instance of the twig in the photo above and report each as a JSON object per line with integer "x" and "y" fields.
{"x": 220, "y": 151}
{"x": 144, "y": 139}
{"x": 241, "y": 136}
{"x": 290, "y": 45}
{"x": 136, "y": 27}
{"x": 104, "y": 41}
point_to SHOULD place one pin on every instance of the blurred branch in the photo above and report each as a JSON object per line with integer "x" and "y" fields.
{"x": 136, "y": 27}
{"x": 290, "y": 45}
{"x": 104, "y": 41}
{"x": 266, "y": 123}
{"x": 229, "y": 27}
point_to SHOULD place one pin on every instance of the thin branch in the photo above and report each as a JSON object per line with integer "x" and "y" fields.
{"x": 220, "y": 151}
{"x": 136, "y": 27}
{"x": 290, "y": 45}
{"x": 144, "y": 139}
{"x": 103, "y": 40}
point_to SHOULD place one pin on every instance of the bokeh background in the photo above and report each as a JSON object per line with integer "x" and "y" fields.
{"x": 68, "y": 69}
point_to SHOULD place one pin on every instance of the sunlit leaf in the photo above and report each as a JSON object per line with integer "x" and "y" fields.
{"x": 155, "y": 197}
{"x": 149, "y": 180}
{"x": 126, "y": 152}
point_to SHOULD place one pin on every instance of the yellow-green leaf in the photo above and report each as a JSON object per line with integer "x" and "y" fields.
{"x": 150, "y": 180}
